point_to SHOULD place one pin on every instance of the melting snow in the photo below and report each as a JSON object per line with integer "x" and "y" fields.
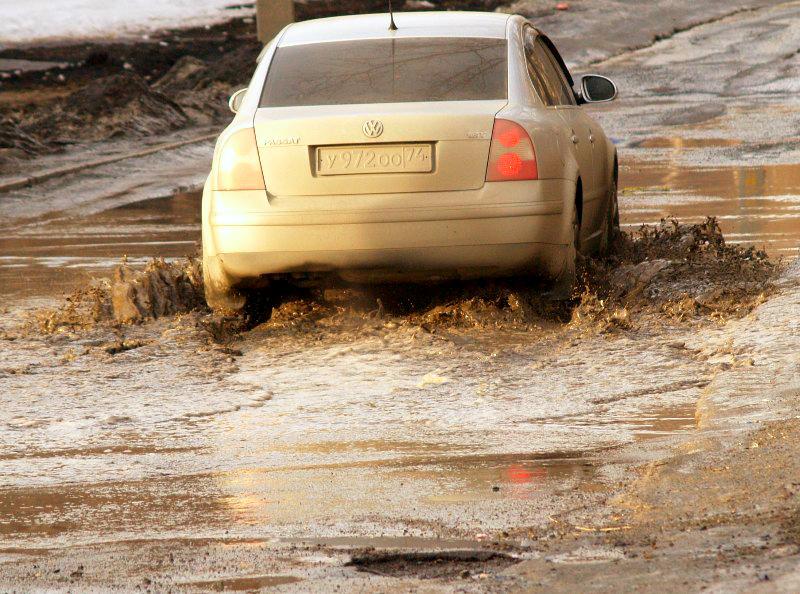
{"x": 38, "y": 20}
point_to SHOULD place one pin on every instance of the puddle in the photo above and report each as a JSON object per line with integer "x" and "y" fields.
{"x": 505, "y": 477}
{"x": 668, "y": 421}
{"x": 754, "y": 205}
{"x": 589, "y": 555}
{"x": 12, "y": 65}
{"x": 57, "y": 254}
{"x": 677, "y": 143}
{"x": 242, "y": 584}
{"x": 645, "y": 425}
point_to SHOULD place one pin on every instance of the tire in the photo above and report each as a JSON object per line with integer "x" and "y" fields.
{"x": 568, "y": 278}
{"x": 611, "y": 222}
{"x": 221, "y": 297}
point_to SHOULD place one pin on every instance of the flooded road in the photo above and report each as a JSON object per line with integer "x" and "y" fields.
{"x": 757, "y": 206}
{"x": 333, "y": 434}
{"x": 60, "y": 233}
{"x": 54, "y": 255}
{"x": 270, "y": 457}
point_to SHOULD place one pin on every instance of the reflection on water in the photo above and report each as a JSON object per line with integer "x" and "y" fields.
{"x": 521, "y": 479}
{"x": 242, "y": 584}
{"x": 754, "y": 205}
{"x": 111, "y": 507}
{"x": 314, "y": 480}
{"x": 684, "y": 143}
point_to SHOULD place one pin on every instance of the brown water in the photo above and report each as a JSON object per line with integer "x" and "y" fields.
{"x": 757, "y": 205}
{"x": 54, "y": 254}
{"x": 315, "y": 481}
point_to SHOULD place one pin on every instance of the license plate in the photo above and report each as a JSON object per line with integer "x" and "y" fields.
{"x": 386, "y": 158}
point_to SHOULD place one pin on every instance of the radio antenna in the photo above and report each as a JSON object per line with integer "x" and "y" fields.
{"x": 392, "y": 26}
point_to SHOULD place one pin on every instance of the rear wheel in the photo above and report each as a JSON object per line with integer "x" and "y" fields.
{"x": 221, "y": 297}
{"x": 611, "y": 222}
{"x": 565, "y": 283}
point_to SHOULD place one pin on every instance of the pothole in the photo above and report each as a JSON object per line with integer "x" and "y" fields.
{"x": 432, "y": 564}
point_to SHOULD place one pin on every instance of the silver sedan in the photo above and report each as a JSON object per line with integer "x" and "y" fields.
{"x": 453, "y": 146}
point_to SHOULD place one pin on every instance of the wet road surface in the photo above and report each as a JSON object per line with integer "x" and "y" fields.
{"x": 58, "y": 234}
{"x": 707, "y": 126}
{"x": 383, "y": 435}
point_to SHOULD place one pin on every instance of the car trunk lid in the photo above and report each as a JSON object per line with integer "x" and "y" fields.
{"x": 376, "y": 148}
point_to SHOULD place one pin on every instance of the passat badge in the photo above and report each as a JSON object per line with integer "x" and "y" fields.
{"x": 372, "y": 128}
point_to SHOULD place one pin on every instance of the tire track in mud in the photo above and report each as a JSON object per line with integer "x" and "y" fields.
{"x": 661, "y": 389}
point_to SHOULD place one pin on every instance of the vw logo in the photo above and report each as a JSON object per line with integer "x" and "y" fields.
{"x": 372, "y": 128}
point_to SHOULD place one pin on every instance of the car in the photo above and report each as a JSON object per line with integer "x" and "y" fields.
{"x": 453, "y": 145}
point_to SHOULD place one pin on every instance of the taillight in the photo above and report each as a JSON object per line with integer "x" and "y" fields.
{"x": 511, "y": 155}
{"x": 238, "y": 167}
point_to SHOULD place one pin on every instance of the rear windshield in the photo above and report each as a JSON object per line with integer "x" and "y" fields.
{"x": 387, "y": 71}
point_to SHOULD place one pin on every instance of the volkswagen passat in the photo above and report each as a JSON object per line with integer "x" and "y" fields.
{"x": 454, "y": 146}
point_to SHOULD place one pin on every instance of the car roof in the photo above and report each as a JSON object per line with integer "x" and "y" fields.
{"x": 409, "y": 24}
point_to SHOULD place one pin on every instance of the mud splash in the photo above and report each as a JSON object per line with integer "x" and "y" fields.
{"x": 131, "y": 296}
{"x": 661, "y": 273}
{"x": 665, "y": 273}
{"x": 681, "y": 271}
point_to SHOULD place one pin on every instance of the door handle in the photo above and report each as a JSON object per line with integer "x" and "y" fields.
{"x": 574, "y": 139}
{"x": 591, "y": 138}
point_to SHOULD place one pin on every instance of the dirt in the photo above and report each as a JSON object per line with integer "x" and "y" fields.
{"x": 159, "y": 289}
{"x": 114, "y": 90}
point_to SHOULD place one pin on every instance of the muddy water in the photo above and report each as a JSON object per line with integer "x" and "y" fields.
{"x": 754, "y": 205}
{"x": 56, "y": 235}
{"x": 387, "y": 430}
{"x": 53, "y": 254}
{"x": 56, "y": 254}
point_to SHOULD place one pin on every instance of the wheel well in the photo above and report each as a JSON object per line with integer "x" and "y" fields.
{"x": 579, "y": 201}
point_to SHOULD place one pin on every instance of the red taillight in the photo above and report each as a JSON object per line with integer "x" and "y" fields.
{"x": 511, "y": 155}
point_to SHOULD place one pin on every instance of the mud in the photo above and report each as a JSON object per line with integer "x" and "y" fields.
{"x": 159, "y": 289}
{"x": 118, "y": 90}
{"x": 666, "y": 272}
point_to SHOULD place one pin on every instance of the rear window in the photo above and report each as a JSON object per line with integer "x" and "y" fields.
{"x": 387, "y": 71}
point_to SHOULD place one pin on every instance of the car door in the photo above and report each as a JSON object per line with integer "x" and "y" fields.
{"x": 587, "y": 129}
{"x": 580, "y": 128}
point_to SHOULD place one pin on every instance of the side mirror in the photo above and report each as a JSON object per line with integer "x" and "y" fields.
{"x": 235, "y": 102}
{"x": 597, "y": 89}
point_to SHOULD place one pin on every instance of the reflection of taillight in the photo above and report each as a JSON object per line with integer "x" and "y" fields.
{"x": 511, "y": 156}
{"x": 238, "y": 167}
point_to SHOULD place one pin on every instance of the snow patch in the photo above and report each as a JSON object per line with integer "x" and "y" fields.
{"x": 23, "y": 23}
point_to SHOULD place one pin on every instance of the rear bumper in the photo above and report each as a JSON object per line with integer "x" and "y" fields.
{"x": 501, "y": 229}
